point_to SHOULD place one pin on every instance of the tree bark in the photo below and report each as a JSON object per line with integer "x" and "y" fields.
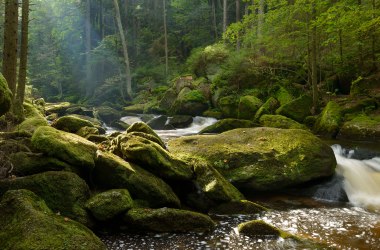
{"x": 125, "y": 52}
{"x": 213, "y": 9}
{"x": 314, "y": 69}
{"x": 23, "y": 51}
{"x": 88, "y": 48}
{"x": 166, "y": 40}
{"x": 225, "y": 15}
{"x": 237, "y": 14}
{"x": 10, "y": 44}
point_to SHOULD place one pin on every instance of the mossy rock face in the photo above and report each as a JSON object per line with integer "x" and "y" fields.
{"x": 27, "y": 223}
{"x": 248, "y": 106}
{"x": 71, "y": 123}
{"x": 5, "y": 96}
{"x": 134, "y": 109}
{"x": 357, "y": 104}
{"x": 85, "y": 132}
{"x": 189, "y": 102}
{"x": 269, "y": 107}
{"x": 238, "y": 207}
{"x": 229, "y": 106}
{"x": 279, "y": 121}
{"x": 213, "y": 113}
{"x": 71, "y": 148}
{"x": 151, "y": 156}
{"x": 297, "y": 109}
{"x": 120, "y": 125}
{"x": 261, "y": 158}
{"x": 144, "y": 128}
{"x": 58, "y": 108}
{"x": 107, "y": 114}
{"x": 26, "y": 163}
{"x": 33, "y": 119}
{"x": 283, "y": 96}
{"x": 113, "y": 172}
{"x": 366, "y": 86}
{"x": 329, "y": 121}
{"x": 107, "y": 205}
{"x": 227, "y": 124}
{"x": 168, "y": 220}
{"x": 168, "y": 99}
{"x": 63, "y": 192}
{"x": 261, "y": 228}
{"x": 362, "y": 127}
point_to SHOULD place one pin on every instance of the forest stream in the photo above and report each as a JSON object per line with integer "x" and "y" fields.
{"x": 320, "y": 213}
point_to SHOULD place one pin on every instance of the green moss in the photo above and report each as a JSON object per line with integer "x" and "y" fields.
{"x": 27, "y": 223}
{"x": 151, "y": 156}
{"x": 71, "y": 123}
{"x": 362, "y": 127}
{"x": 5, "y": 96}
{"x": 229, "y": 106}
{"x": 33, "y": 119}
{"x": 238, "y": 207}
{"x": 85, "y": 132}
{"x": 107, "y": 205}
{"x": 297, "y": 109}
{"x": 189, "y": 102}
{"x": 227, "y": 124}
{"x": 261, "y": 228}
{"x": 113, "y": 172}
{"x": 59, "y": 108}
{"x": 168, "y": 99}
{"x": 328, "y": 122}
{"x": 279, "y": 121}
{"x": 168, "y": 220}
{"x": 213, "y": 113}
{"x": 248, "y": 106}
{"x": 262, "y": 158}
{"x": 68, "y": 147}
{"x": 63, "y": 192}
{"x": 283, "y": 96}
{"x": 142, "y": 127}
{"x": 134, "y": 109}
{"x": 193, "y": 96}
{"x": 269, "y": 107}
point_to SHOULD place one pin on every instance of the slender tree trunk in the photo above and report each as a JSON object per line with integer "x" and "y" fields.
{"x": 166, "y": 40}
{"x": 213, "y": 9}
{"x": 10, "y": 44}
{"x": 314, "y": 68}
{"x": 225, "y": 15}
{"x": 237, "y": 14}
{"x": 260, "y": 21}
{"x": 340, "y": 46}
{"x": 374, "y": 57}
{"x": 88, "y": 48}
{"x": 23, "y": 51}
{"x": 360, "y": 46}
{"x": 125, "y": 51}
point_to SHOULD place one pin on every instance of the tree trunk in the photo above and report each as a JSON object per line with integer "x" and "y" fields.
{"x": 23, "y": 51}
{"x": 374, "y": 57}
{"x": 237, "y": 14}
{"x": 224, "y": 15}
{"x": 125, "y": 52}
{"x": 314, "y": 69}
{"x": 10, "y": 44}
{"x": 213, "y": 9}
{"x": 166, "y": 40}
{"x": 88, "y": 48}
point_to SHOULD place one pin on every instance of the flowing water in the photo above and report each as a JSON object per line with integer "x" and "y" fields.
{"x": 323, "y": 216}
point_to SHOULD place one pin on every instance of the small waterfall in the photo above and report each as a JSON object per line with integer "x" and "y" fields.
{"x": 361, "y": 178}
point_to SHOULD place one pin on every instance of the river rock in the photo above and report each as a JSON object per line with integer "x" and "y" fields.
{"x": 238, "y": 207}
{"x": 297, "y": 109}
{"x": 269, "y": 107}
{"x": 33, "y": 119}
{"x": 144, "y": 128}
{"x": 58, "y": 108}
{"x": 189, "y": 102}
{"x": 107, "y": 114}
{"x": 27, "y": 223}
{"x": 107, "y": 205}
{"x": 71, "y": 148}
{"x": 5, "y": 96}
{"x": 168, "y": 99}
{"x": 168, "y": 220}
{"x": 180, "y": 121}
{"x": 362, "y": 127}
{"x": 329, "y": 120}
{"x": 113, "y": 172}
{"x": 248, "y": 106}
{"x": 229, "y": 106}
{"x": 151, "y": 156}
{"x": 282, "y": 95}
{"x": 85, "y": 132}
{"x": 158, "y": 122}
{"x": 71, "y": 123}
{"x": 261, "y": 158}
{"x": 260, "y": 228}
{"x": 279, "y": 121}
{"x": 63, "y": 192}
{"x": 227, "y": 124}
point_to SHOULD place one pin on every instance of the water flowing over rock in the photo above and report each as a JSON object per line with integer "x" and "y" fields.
{"x": 261, "y": 158}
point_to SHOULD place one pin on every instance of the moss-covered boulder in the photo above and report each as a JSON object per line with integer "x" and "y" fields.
{"x": 63, "y": 192}
{"x": 71, "y": 148}
{"x": 362, "y": 127}
{"x": 189, "y": 102}
{"x": 227, "y": 124}
{"x": 248, "y": 106}
{"x": 260, "y": 228}
{"x": 261, "y": 158}
{"x": 5, "y": 96}
{"x": 143, "y": 128}
{"x": 58, "y": 108}
{"x": 71, "y": 123}
{"x": 151, "y": 156}
{"x": 168, "y": 220}
{"x": 279, "y": 121}
{"x": 269, "y": 107}
{"x": 328, "y": 122}
{"x": 357, "y": 105}
{"x": 85, "y": 132}
{"x": 134, "y": 109}
{"x": 113, "y": 172}
{"x": 367, "y": 86}
{"x": 27, "y": 223}
{"x": 107, "y": 205}
{"x": 28, "y": 163}
{"x": 282, "y": 95}
{"x": 238, "y": 207}
{"x": 168, "y": 99}
{"x": 33, "y": 119}
{"x": 120, "y": 125}
{"x": 229, "y": 106}
{"x": 107, "y": 114}
{"x": 297, "y": 109}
